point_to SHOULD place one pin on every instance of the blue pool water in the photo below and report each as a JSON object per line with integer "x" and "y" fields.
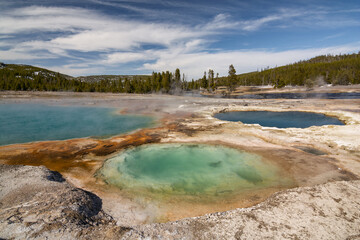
{"x": 20, "y": 123}
{"x": 289, "y": 119}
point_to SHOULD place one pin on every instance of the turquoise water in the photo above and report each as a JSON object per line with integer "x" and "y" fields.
{"x": 279, "y": 119}
{"x": 20, "y": 123}
{"x": 185, "y": 169}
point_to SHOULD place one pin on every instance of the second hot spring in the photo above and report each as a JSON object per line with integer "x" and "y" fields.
{"x": 287, "y": 119}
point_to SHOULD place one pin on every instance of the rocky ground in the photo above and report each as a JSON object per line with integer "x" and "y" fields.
{"x": 37, "y": 203}
{"x": 324, "y": 162}
{"x": 327, "y": 211}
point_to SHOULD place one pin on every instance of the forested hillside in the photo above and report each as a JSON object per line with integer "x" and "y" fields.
{"x": 24, "y": 77}
{"x": 336, "y": 70}
{"x": 29, "y": 78}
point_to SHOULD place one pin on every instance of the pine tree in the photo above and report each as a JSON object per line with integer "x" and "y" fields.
{"x": 232, "y": 80}
{"x": 204, "y": 81}
{"x": 177, "y": 78}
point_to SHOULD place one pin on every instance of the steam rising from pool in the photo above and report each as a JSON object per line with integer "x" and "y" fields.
{"x": 190, "y": 170}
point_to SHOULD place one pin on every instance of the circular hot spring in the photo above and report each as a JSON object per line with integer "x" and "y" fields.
{"x": 288, "y": 119}
{"x": 190, "y": 170}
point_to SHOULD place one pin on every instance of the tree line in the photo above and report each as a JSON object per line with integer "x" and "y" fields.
{"x": 336, "y": 70}
{"x": 28, "y": 78}
{"x": 326, "y": 69}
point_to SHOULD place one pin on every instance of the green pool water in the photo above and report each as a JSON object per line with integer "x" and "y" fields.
{"x": 188, "y": 169}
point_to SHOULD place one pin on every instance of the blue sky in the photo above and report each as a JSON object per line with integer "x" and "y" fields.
{"x": 87, "y": 37}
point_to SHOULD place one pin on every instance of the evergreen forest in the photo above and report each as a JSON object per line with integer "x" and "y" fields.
{"x": 329, "y": 69}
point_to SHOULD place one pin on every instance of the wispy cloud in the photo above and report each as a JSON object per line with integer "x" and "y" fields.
{"x": 244, "y": 61}
{"x": 15, "y": 55}
{"x": 73, "y": 70}
{"x": 88, "y": 41}
{"x": 126, "y": 57}
{"x": 331, "y": 36}
{"x": 255, "y": 24}
{"x": 88, "y": 31}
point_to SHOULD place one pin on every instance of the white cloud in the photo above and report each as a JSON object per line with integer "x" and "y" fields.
{"x": 15, "y": 55}
{"x": 126, "y": 57}
{"x": 256, "y": 24}
{"x": 194, "y": 64}
{"x": 144, "y": 55}
{"x": 77, "y": 70}
{"x": 283, "y": 15}
{"x": 87, "y": 31}
{"x": 37, "y": 19}
{"x": 221, "y": 21}
{"x": 119, "y": 40}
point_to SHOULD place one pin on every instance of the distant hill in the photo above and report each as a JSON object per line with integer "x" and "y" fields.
{"x": 18, "y": 77}
{"x": 27, "y": 71}
{"x": 326, "y": 69}
{"x": 26, "y": 77}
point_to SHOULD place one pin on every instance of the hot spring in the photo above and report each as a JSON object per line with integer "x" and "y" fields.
{"x": 289, "y": 119}
{"x": 187, "y": 171}
{"x": 22, "y": 123}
